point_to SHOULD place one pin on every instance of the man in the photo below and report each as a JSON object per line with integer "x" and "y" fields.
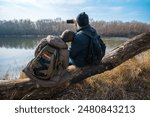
{"x": 78, "y": 51}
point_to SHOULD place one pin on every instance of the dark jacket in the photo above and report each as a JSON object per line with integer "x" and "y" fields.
{"x": 79, "y": 47}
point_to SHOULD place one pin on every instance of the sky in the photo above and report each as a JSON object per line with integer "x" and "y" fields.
{"x": 107, "y": 10}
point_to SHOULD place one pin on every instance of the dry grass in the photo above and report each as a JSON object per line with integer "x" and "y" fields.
{"x": 130, "y": 80}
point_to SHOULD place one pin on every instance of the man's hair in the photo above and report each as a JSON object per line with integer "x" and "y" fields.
{"x": 82, "y": 19}
{"x": 67, "y": 36}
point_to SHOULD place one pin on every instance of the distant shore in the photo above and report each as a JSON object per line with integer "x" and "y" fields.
{"x": 26, "y": 36}
{"x": 40, "y": 28}
{"x": 42, "y": 36}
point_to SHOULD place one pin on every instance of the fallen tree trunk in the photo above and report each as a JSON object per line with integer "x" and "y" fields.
{"x": 19, "y": 89}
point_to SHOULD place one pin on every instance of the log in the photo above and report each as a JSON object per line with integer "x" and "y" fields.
{"x": 27, "y": 89}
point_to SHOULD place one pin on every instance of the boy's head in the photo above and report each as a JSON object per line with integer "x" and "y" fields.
{"x": 82, "y": 19}
{"x": 67, "y": 36}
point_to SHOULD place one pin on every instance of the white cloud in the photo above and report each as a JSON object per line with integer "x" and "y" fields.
{"x": 45, "y": 2}
{"x": 37, "y": 9}
{"x": 64, "y": 1}
{"x": 44, "y": 9}
{"x": 16, "y": 11}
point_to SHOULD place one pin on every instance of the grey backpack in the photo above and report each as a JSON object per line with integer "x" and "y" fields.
{"x": 45, "y": 64}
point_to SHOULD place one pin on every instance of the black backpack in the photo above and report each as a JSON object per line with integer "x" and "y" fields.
{"x": 96, "y": 49}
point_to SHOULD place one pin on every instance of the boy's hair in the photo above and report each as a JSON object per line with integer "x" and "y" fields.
{"x": 67, "y": 36}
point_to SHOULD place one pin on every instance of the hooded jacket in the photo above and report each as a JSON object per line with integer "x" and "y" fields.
{"x": 79, "y": 47}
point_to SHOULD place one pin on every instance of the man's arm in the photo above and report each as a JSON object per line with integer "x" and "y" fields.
{"x": 76, "y": 46}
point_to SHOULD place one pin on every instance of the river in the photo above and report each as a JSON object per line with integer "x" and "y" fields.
{"x": 15, "y": 53}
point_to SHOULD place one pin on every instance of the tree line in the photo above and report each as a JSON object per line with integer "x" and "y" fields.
{"x": 57, "y": 26}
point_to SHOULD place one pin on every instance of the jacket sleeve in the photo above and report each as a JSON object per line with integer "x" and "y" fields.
{"x": 64, "y": 56}
{"x": 77, "y": 45}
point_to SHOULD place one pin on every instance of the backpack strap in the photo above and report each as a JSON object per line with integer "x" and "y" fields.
{"x": 87, "y": 34}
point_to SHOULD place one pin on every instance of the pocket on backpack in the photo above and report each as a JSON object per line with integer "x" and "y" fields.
{"x": 44, "y": 65}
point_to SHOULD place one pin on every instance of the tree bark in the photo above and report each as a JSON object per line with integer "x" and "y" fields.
{"x": 27, "y": 89}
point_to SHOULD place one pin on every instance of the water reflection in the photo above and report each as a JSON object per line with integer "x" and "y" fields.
{"x": 112, "y": 42}
{"x": 30, "y": 43}
{"x": 12, "y": 60}
{"x": 15, "y": 53}
{"x": 20, "y": 43}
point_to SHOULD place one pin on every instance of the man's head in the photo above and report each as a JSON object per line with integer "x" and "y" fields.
{"x": 67, "y": 35}
{"x": 82, "y": 19}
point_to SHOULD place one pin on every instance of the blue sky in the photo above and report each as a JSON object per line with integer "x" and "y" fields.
{"x": 107, "y": 10}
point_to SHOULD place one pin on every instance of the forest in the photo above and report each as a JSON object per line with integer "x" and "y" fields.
{"x": 57, "y": 26}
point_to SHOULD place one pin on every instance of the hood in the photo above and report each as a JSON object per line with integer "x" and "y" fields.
{"x": 87, "y": 29}
{"x": 56, "y": 41}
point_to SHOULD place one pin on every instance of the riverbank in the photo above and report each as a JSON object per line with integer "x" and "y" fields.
{"x": 129, "y": 81}
{"x": 22, "y": 36}
{"x": 57, "y": 26}
{"x": 42, "y": 36}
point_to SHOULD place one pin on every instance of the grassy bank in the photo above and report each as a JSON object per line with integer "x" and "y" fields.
{"x": 130, "y": 80}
